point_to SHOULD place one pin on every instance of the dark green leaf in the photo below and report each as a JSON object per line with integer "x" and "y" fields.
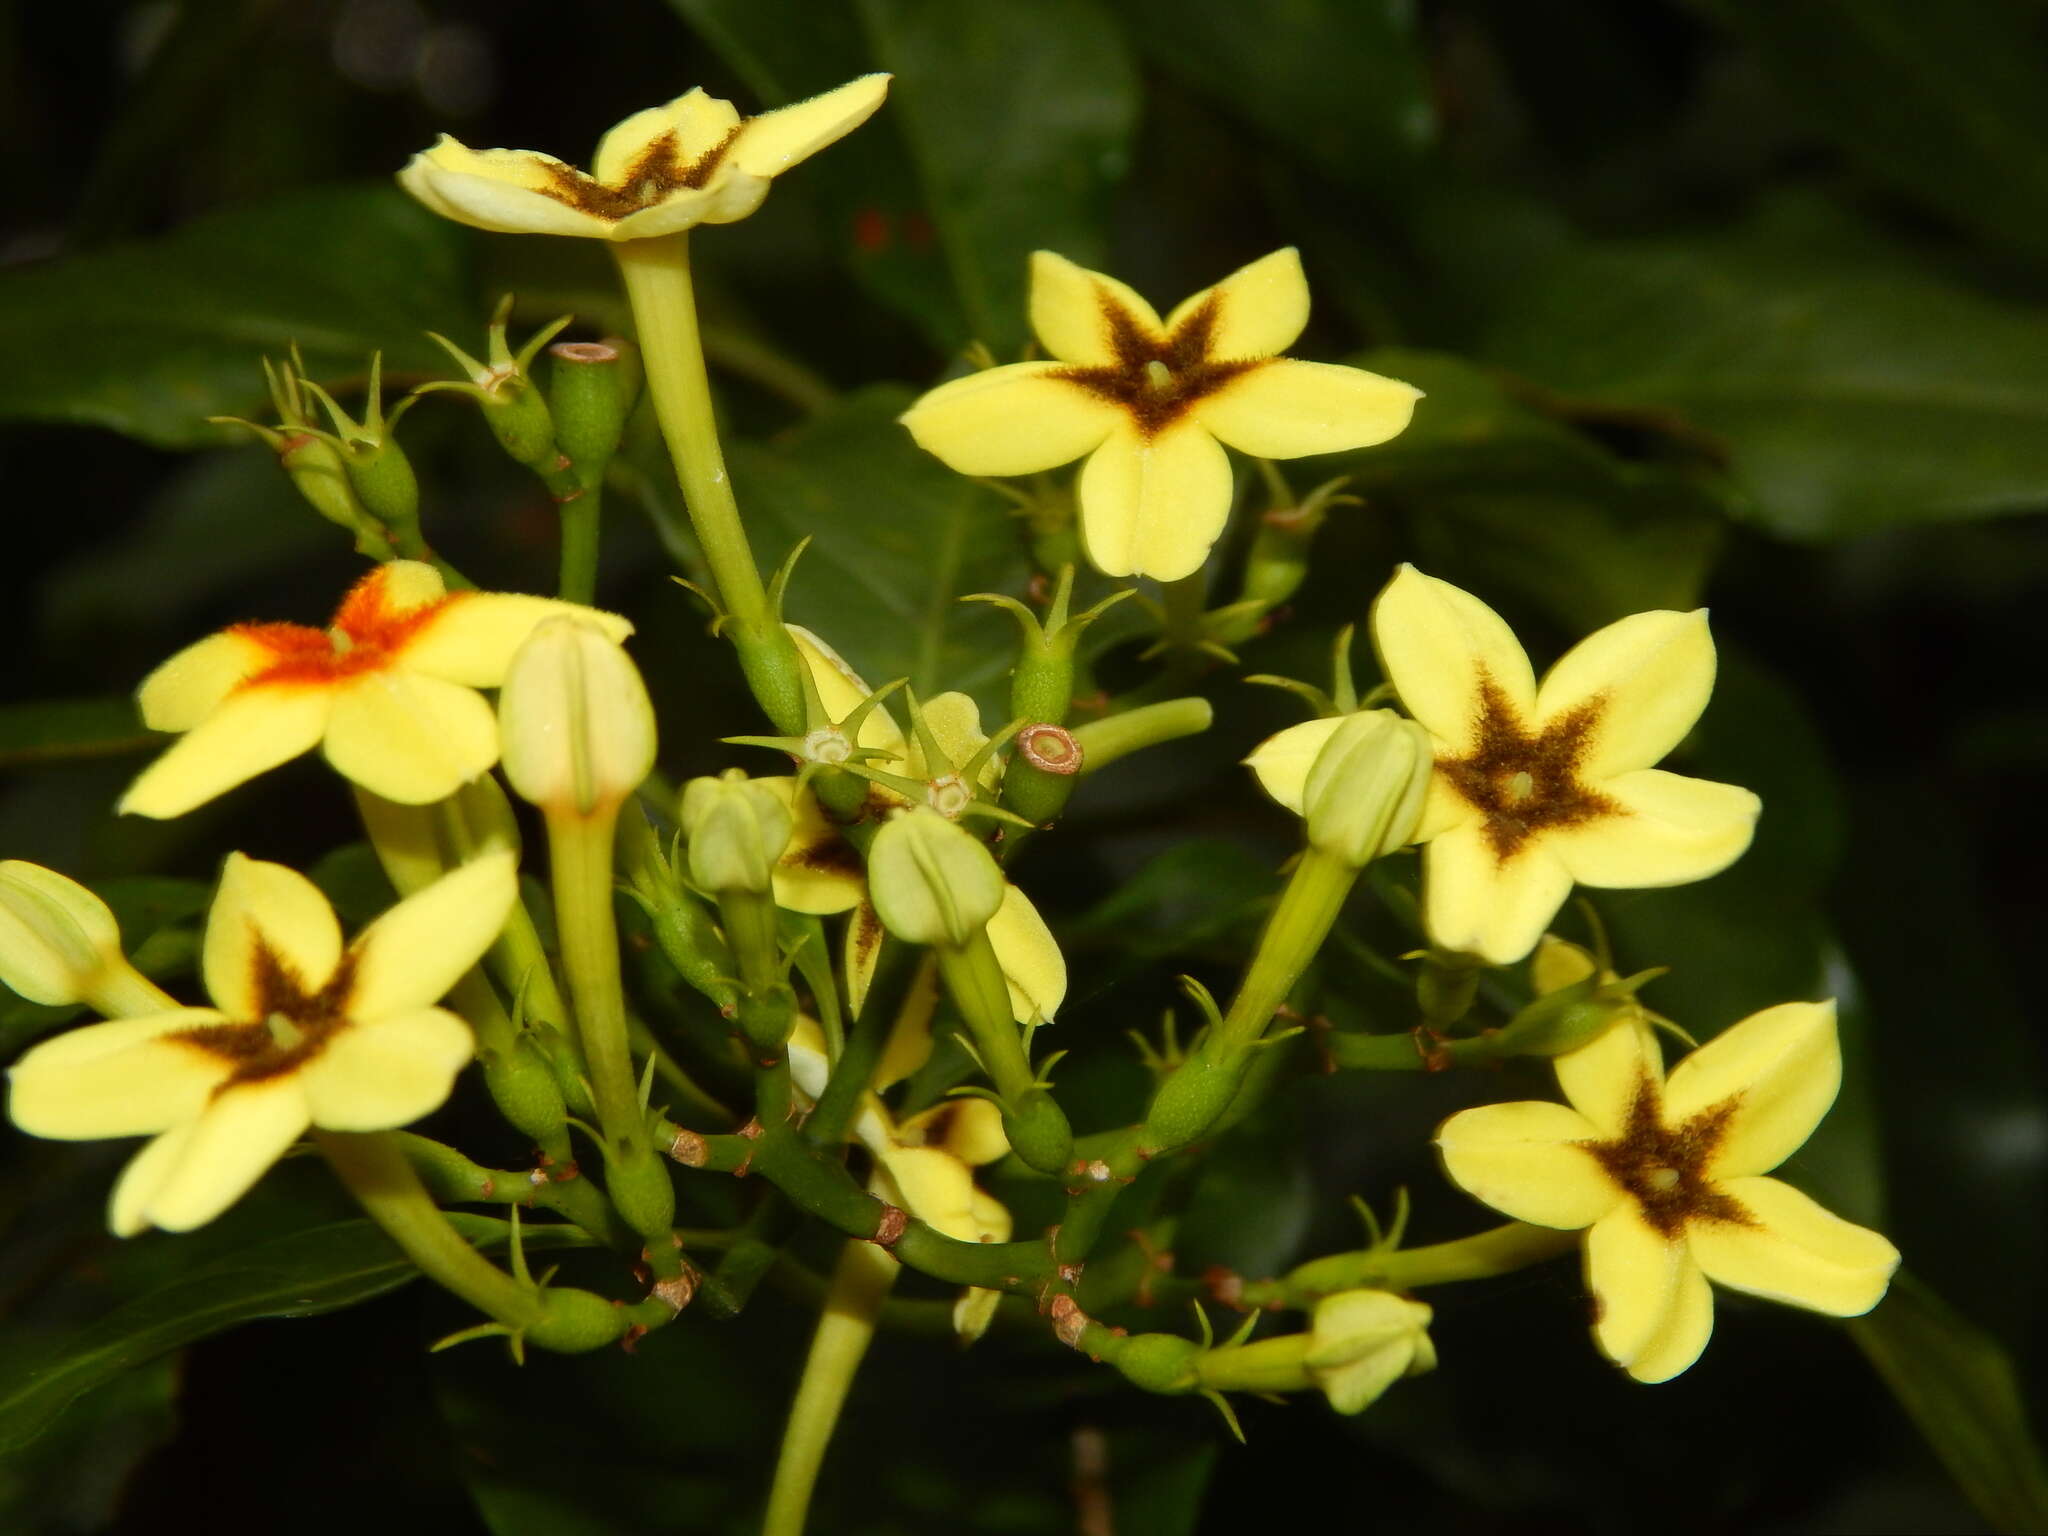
{"x": 152, "y": 338}
{"x": 1019, "y": 115}
{"x": 1960, "y": 1389}
{"x": 300, "y": 1275}
{"x": 1340, "y": 83}
{"x": 896, "y": 540}
{"x": 57, "y": 730}
{"x": 73, "y": 1480}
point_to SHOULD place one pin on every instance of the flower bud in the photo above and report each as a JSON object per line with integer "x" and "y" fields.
{"x": 1158, "y": 1362}
{"x": 56, "y": 937}
{"x": 737, "y": 830}
{"x": 591, "y": 390}
{"x": 576, "y": 726}
{"x": 1363, "y": 796}
{"x": 931, "y": 881}
{"x": 1362, "y": 1342}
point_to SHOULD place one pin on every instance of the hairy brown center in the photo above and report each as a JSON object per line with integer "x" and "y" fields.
{"x": 1154, "y": 379}
{"x": 655, "y": 172}
{"x": 1523, "y": 781}
{"x": 293, "y": 1023}
{"x": 1664, "y": 1167}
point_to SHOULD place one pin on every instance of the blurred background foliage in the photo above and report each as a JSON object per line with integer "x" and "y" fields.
{"x": 1735, "y": 301}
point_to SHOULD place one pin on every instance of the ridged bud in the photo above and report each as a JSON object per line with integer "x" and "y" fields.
{"x": 57, "y": 939}
{"x": 737, "y": 829}
{"x": 1364, "y": 792}
{"x": 1362, "y": 1342}
{"x": 931, "y": 881}
{"x": 575, "y": 722}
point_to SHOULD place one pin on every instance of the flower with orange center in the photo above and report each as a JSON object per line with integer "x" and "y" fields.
{"x": 1151, "y": 403}
{"x": 1667, "y": 1176}
{"x": 1539, "y": 786}
{"x": 304, "y": 1031}
{"x": 388, "y": 692}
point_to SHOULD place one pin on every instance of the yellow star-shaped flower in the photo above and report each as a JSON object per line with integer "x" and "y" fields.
{"x": 1151, "y": 402}
{"x": 303, "y": 1032}
{"x": 1667, "y": 1178}
{"x": 661, "y": 171}
{"x": 388, "y": 691}
{"x": 1537, "y": 787}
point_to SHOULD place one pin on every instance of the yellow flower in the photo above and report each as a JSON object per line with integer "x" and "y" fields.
{"x": 388, "y": 691}
{"x": 303, "y": 1032}
{"x": 1667, "y": 1179}
{"x": 1152, "y": 402}
{"x": 820, "y": 873}
{"x": 1538, "y": 787}
{"x": 661, "y": 171}
{"x": 1358, "y": 780}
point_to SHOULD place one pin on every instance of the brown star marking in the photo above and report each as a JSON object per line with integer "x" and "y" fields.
{"x": 1525, "y": 782}
{"x": 658, "y": 170}
{"x": 250, "y": 1047}
{"x": 1664, "y": 1168}
{"x": 1192, "y": 372}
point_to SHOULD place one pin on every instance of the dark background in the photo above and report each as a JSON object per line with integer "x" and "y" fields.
{"x": 1736, "y": 302}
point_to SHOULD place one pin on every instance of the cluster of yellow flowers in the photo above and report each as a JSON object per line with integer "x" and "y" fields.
{"x": 1516, "y": 789}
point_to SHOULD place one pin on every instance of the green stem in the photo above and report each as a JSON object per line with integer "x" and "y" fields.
{"x": 1301, "y": 920}
{"x": 1498, "y": 1251}
{"x": 860, "y": 1284}
{"x": 1115, "y": 736}
{"x": 974, "y": 978}
{"x": 374, "y": 1167}
{"x": 579, "y": 510}
{"x": 122, "y": 992}
{"x": 580, "y": 856}
{"x": 454, "y": 1178}
{"x": 657, "y": 278}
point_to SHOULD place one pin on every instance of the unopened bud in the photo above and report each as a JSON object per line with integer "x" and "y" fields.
{"x": 737, "y": 829}
{"x": 576, "y": 726}
{"x": 1364, "y": 792}
{"x": 590, "y": 394}
{"x": 1362, "y": 1342}
{"x": 931, "y": 881}
{"x": 1158, "y": 1362}
{"x": 57, "y": 939}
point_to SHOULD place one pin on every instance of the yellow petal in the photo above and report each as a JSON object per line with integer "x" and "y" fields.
{"x": 819, "y": 872}
{"x": 1072, "y": 310}
{"x": 1259, "y": 310}
{"x": 408, "y": 958}
{"x": 1442, "y": 809}
{"x": 191, "y": 685}
{"x": 1032, "y": 964}
{"x": 1524, "y": 1160}
{"x": 1667, "y": 830}
{"x": 1283, "y": 409}
{"x": 1478, "y": 905}
{"x": 936, "y": 1188}
{"x": 730, "y": 195}
{"x": 1796, "y": 1252}
{"x": 474, "y": 636}
{"x": 1782, "y": 1067}
{"x": 1603, "y": 1077}
{"x": 399, "y": 587}
{"x": 809, "y": 1066}
{"x": 1281, "y": 763}
{"x": 909, "y": 1045}
{"x": 865, "y": 937}
{"x": 1153, "y": 505}
{"x": 974, "y": 1309}
{"x": 143, "y": 1177}
{"x": 1012, "y": 420}
{"x": 699, "y": 121}
{"x": 1557, "y": 964}
{"x": 266, "y": 918}
{"x": 955, "y": 719}
{"x": 771, "y": 143}
{"x": 1437, "y": 645}
{"x": 497, "y": 189}
{"x": 1646, "y": 678}
{"x": 840, "y": 689}
{"x": 251, "y": 731}
{"x": 117, "y": 1079}
{"x": 408, "y": 737}
{"x": 971, "y": 1128}
{"x": 991, "y": 1217}
{"x": 231, "y": 1145}
{"x": 1686, "y": 1329}
{"x": 1633, "y": 1272}
{"x": 387, "y": 1072}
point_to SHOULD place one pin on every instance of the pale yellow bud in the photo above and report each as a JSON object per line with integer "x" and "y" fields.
{"x": 56, "y": 938}
{"x": 737, "y": 830}
{"x": 1362, "y": 1342}
{"x": 1363, "y": 795}
{"x": 931, "y": 881}
{"x": 576, "y": 726}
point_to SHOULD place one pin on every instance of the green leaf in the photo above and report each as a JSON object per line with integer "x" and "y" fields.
{"x": 1853, "y": 388}
{"x": 60, "y": 730}
{"x": 1019, "y": 115}
{"x": 896, "y": 540}
{"x": 300, "y": 1275}
{"x": 1959, "y": 1387}
{"x": 152, "y": 338}
{"x": 1339, "y": 83}
{"x": 1942, "y": 102}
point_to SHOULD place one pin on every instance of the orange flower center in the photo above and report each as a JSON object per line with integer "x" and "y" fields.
{"x": 367, "y": 635}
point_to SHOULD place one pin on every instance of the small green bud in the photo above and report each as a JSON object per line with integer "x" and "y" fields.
{"x": 931, "y": 881}
{"x": 1158, "y": 1362}
{"x": 1362, "y": 1342}
{"x": 1189, "y": 1102}
{"x": 1037, "y": 1131}
{"x": 590, "y": 395}
{"x": 320, "y": 475}
{"x": 513, "y": 406}
{"x": 57, "y": 939}
{"x": 576, "y": 1322}
{"x": 1364, "y": 792}
{"x": 523, "y": 1087}
{"x": 641, "y": 1191}
{"x": 737, "y": 829}
{"x": 575, "y": 723}
{"x": 1278, "y": 560}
